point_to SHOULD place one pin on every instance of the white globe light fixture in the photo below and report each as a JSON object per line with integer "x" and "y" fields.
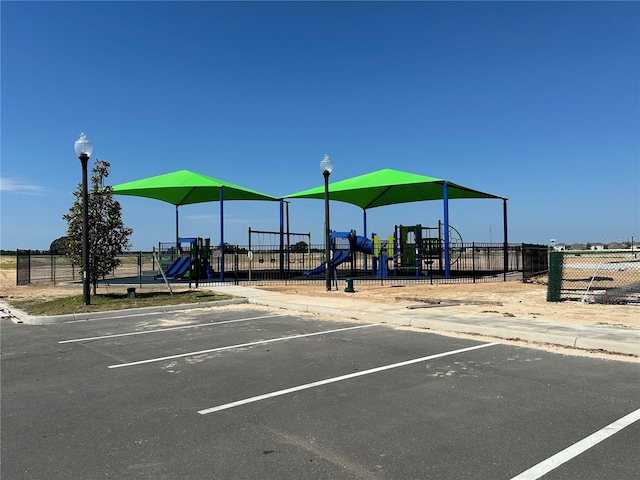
{"x": 83, "y": 146}
{"x": 326, "y": 165}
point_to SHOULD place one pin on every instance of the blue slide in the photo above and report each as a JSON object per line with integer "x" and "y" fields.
{"x": 364, "y": 245}
{"x": 339, "y": 256}
{"x": 360, "y": 244}
{"x": 177, "y": 269}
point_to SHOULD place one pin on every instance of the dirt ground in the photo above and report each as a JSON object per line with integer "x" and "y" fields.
{"x": 511, "y": 298}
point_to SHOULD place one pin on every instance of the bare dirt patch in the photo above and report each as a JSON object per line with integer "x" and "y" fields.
{"x": 511, "y": 299}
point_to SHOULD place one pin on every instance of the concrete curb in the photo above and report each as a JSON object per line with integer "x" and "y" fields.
{"x": 578, "y": 339}
{"x": 583, "y": 338}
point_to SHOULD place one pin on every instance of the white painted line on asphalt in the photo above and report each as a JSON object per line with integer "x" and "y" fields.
{"x": 340, "y": 378}
{"x": 129, "y": 315}
{"x": 116, "y": 317}
{"x": 241, "y": 345}
{"x": 576, "y": 449}
{"x": 160, "y": 330}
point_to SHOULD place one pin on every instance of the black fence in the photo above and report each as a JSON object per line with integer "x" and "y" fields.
{"x": 470, "y": 262}
{"x": 535, "y": 260}
{"x": 594, "y": 276}
{"x": 46, "y": 267}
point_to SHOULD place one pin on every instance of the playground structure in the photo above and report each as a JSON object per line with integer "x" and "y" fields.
{"x": 344, "y": 246}
{"x": 423, "y": 248}
{"x": 410, "y": 253}
{"x": 188, "y": 259}
{"x": 415, "y": 251}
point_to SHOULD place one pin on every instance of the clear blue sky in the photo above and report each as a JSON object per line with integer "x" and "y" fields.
{"x": 534, "y": 101}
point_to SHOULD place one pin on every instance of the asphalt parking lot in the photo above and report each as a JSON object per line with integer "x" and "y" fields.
{"x": 243, "y": 392}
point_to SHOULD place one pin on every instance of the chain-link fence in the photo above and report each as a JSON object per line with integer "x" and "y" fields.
{"x": 468, "y": 262}
{"x": 594, "y": 276}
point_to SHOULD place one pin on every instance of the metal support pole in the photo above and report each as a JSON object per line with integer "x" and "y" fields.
{"x": 364, "y": 221}
{"x": 250, "y": 254}
{"x": 505, "y": 252}
{"x": 86, "y": 294}
{"x": 177, "y": 235}
{"x": 327, "y": 233}
{"x": 221, "y": 234}
{"x": 281, "y": 255}
{"x": 288, "y": 242}
{"x": 447, "y": 255}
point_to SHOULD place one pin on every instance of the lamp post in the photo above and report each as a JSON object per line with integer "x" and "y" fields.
{"x": 326, "y": 165}
{"x": 83, "y": 149}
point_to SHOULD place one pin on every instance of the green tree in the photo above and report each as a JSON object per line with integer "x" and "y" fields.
{"x": 108, "y": 237}
{"x": 300, "y": 247}
{"x": 59, "y": 245}
{"x": 230, "y": 249}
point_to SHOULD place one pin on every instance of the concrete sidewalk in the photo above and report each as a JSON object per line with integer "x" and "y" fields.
{"x": 612, "y": 339}
{"x": 620, "y": 340}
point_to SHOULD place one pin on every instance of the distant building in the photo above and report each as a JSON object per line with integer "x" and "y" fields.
{"x": 598, "y": 246}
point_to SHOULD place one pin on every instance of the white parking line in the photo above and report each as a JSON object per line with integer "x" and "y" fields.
{"x": 125, "y": 315}
{"x": 576, "y": 449}
{"x": 241, "y": 345}
{"x": 157, "y": 330}
{"x": 340, "y": 378}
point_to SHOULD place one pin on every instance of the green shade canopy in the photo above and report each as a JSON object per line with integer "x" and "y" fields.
{"x": 389, "y": 187}
{"x": 184, "y": 187}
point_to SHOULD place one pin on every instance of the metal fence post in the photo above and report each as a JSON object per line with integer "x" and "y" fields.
{"x": 554, "y": 287}
{"x": 473, "y": 260}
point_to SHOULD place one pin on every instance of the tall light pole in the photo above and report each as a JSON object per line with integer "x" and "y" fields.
{"x": 326, "y": 165}
{"x": 83, "y": 149}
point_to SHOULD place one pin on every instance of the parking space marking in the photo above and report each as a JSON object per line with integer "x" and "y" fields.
{"x": 576, "y": 449}
{"x": 241, "y": 345}
{"x": 341, "y": 378}
{"x": 127, "y": 315}
{"x": 169, "y": 329}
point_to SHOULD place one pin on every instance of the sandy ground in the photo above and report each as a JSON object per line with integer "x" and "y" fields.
{"x": 511, "y": 298}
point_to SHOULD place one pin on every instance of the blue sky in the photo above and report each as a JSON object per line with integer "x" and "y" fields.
{"x": 538, "y": 102}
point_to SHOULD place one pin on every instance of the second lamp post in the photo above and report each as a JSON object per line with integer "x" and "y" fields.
{"x": 83, "y": 149}
{"x": 326, "y": 165}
